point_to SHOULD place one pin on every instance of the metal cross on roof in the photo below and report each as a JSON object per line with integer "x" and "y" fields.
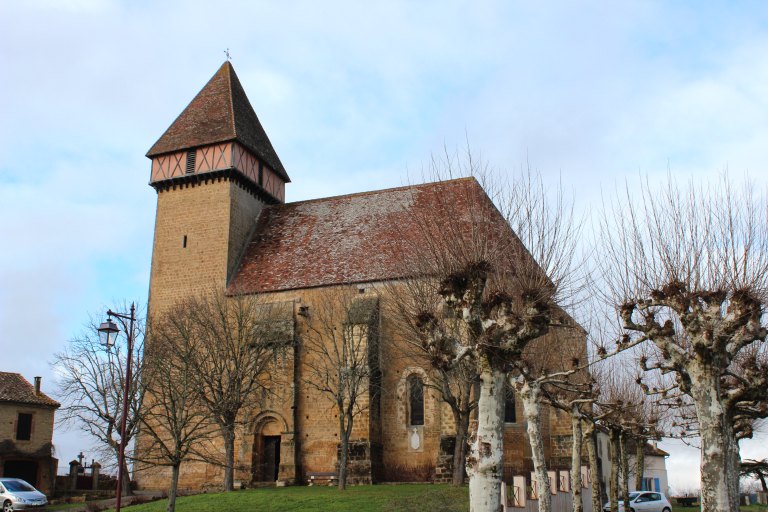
{"x": 226, "y": 52}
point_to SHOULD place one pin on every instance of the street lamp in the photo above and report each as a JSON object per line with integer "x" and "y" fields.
{"x": 108, "y": 335}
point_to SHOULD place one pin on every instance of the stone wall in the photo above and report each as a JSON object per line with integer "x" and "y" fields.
{"x": 217, "y": 219}
{"x": 37, "y": 450}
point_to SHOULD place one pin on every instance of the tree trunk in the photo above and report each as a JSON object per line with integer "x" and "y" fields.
{"x": 624, "y": 470}
{"x": 484, "y": 464}
{"x": 589, "y": 438}
{"x": 761, "y": 477}
{"x": 613, "y": 485}
{"x": 640, "y": 464}
{"x": 228, "y": 432}
{"x": 734, "y": 468}
{"x": 345, "y": 431}
{"x": 343, "y": 455}
{"x": 714, "y": 430}
{"x": 126, "y": 480}
{"x": 576, "y": 458}
{"x": 531, "y": 396}
{"x": 460, "y": 449}
{"x": 174, "y": 488}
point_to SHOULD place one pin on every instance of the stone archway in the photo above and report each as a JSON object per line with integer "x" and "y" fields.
{"x": 268, "y": 437}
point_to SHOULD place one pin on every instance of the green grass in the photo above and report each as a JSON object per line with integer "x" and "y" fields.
{"x": 367, "y": 498}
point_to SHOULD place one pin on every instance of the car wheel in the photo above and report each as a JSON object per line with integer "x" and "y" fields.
{"x": 7, "y": 506}
{"x": 666, "y": 509}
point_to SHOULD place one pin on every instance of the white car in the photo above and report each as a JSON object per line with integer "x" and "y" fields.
{"x": 645, "y": 501}
{"x": 16, "y": 494}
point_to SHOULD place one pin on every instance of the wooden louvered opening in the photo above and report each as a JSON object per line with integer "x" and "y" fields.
{"x": 191, "y": 161}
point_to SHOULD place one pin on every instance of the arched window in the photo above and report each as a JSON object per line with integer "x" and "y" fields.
{"x": 415, "y": 400}
{"x": 509, "y": 404}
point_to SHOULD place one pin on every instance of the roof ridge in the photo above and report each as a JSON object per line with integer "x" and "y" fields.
{"x": 231, "y": 70}
{"x": 378, "y": 191}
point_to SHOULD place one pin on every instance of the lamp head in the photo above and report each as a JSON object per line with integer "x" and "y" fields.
{"x": 108, "y": 332}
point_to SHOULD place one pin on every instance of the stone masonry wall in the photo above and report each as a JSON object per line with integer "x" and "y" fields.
{"x": 37, "y": 449}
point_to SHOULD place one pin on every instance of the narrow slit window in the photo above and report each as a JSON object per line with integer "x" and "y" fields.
{"x": 415, "y": 400}
{"x": 261, "y": 173}
{"x": 184, "y": 242}
{"x": 191, "y": 161}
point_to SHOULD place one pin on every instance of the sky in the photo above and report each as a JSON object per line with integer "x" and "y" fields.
{"x": 354, "y": 96}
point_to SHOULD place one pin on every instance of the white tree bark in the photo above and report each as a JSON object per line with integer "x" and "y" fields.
{"x": 589, "y": 438}
{"x": 613, "y": 485}
{"x": 714, "y": 430}
{"x": 576, "y": 458}
{"x": 485, "y": 461}
{"x": 624, "y": 470}
{"x": 530, "y": 393}
{"x": 734, "y": 470}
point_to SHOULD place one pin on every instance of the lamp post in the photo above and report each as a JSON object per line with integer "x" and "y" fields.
{"x": 108, "y": 335}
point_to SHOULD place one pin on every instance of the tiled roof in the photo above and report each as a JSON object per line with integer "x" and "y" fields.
{"x": 343, "y": 239}
{"x": 652, "y": 450}
{"x": 15, "y": 388}
{"x": 220, "y": 112}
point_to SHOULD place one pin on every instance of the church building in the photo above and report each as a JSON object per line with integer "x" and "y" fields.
{"x": 223, "y": 224}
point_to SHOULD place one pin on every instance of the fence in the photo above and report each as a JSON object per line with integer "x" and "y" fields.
{"x": 518, "y": 496}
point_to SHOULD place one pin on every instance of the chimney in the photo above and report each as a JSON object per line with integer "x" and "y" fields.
{"x": 37, "y": 385}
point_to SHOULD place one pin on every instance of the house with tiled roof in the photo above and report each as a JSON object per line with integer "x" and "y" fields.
{"x": 223, "y": 223}
{"x": 26, "y": 431}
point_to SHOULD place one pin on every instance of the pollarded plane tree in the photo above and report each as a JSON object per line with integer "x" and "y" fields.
{"x": 688, "y": 268}
{"x": 502, "y": 263}
{"x": 742, "y": 389}
{"x": 552, "y": 371}
{"x": 91, "y": 383}
{"x": 575, "y": 399}
{"x": 629, "y": 416}
{"x": 757, "y": 469}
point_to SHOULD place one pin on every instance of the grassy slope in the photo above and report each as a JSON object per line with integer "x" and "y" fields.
{"x": 410, "y": 497}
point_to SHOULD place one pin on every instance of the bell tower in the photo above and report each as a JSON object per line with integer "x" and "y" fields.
{"x": 214, "y": 169}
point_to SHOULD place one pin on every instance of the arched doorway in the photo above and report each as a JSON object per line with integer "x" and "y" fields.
{"x": 266, "y": 450}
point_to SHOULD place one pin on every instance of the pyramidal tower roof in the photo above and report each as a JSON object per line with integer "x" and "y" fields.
{"x": 220, "y": 112}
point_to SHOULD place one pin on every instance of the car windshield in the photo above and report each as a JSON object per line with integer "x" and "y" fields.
{"x": 17, "y": 486}
{"x": 633, "y": 495}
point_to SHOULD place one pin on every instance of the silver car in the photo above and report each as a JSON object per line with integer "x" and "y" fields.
{"x": 16, "y": 494}
{"x": 644, "y": 501}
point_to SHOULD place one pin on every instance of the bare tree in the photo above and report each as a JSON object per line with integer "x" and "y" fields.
{"x": 91, "y": 383}
{"x": 410, "y": 299}
{"x": 232, "y": 342}
{"x": 174, "y": 420}
{"x": 340, "y": 343}
{"x": 501, "y": 269}
{"x": 689, "y": 269}
{"x": 757, "y": 469}
{"x": 577, "y": 399}
{"x": 590, "y": 440}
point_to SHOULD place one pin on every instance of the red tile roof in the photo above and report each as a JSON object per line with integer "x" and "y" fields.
{"x": 15, "y": 388}
{"x": 220, "y": 112}
{"x": 344, "y": 239}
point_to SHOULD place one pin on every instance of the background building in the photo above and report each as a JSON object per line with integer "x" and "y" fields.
{"x": 26, "y": 430}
